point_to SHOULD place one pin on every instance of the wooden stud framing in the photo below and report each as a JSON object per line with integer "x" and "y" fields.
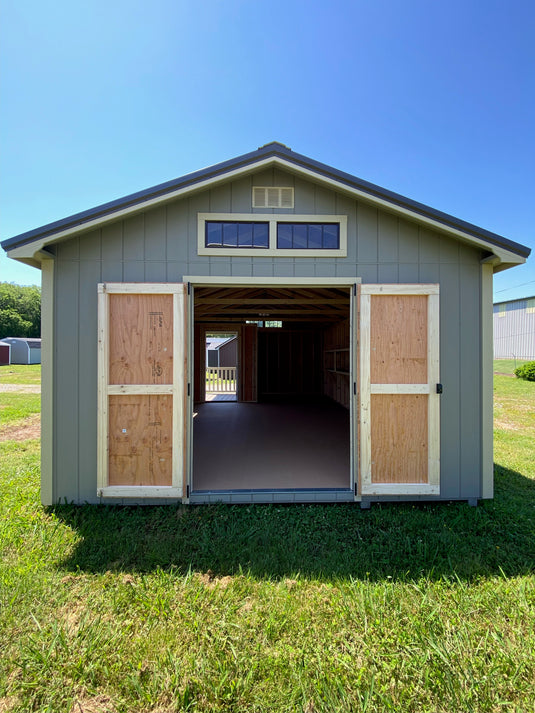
{"x": 150, "y": 460}
{"x": 399, "y": 422}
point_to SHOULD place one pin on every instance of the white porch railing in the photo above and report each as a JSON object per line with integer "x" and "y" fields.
{"x": 221, "y": 380}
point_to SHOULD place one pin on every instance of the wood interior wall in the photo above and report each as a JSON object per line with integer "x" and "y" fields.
{"x": 289, "y": 362}
{"x": 248, "y": 364}
{"x": 336, "y": 363}
{"x": 199, "y": 367}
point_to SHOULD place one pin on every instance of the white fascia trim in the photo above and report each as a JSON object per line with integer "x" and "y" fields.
{"x": 30, "y": 251}
{"x": 204, "y": 281}
{"x": 272, "y": 250}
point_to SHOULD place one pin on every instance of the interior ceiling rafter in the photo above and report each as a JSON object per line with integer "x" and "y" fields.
{"x": 272, "y": 303}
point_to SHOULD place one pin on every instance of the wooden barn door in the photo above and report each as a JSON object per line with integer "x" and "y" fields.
{"x": 399, "y": 401}
{"x": 141, "y": 390}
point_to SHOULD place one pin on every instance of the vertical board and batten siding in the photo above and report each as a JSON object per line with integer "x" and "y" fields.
{"x": 160, "y": 245}
{"x": 514, "y": 329}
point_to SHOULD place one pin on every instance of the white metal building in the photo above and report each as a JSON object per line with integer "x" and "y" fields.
{"x": 514, "y": 329}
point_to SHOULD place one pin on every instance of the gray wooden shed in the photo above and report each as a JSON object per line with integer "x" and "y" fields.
{"x": 24, "y": 350}
{"x": 390, "y": 301}
{"x": 5, "y": 353}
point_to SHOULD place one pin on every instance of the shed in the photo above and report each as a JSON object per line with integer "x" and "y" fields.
{"x": 389, "y": 300}
{"x": 228, "y": 352}
{"x": 216, "y": 353}
{"x": 5, "y": 353}
{"x": 514, "y": 329}
{"x": 24, "y": 350}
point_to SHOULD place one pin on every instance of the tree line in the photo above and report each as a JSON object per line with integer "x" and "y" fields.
{"x": 20, "y": 310}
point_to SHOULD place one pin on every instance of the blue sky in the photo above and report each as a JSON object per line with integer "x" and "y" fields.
{"x": 433, "y": 100}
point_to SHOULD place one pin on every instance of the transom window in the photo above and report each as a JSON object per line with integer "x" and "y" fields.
{"x": 270, "y": 235}
{"x": 308, "y": 236}
{"x": 227, "y": 234}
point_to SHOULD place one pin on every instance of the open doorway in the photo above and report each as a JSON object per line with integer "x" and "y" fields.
{"x": 221, "y": 366}
{"x": 290, "y": 427}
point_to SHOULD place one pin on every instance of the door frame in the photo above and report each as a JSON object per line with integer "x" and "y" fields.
{"x": 192, "y": 281}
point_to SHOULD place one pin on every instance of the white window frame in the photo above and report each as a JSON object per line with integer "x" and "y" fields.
{"x": 271, "y": 250}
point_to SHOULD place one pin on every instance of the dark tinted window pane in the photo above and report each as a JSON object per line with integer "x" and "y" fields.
{"x": 331, "y": 236}
{"x": 300, "y": 235}
{"x": 311, "y": 236}
{"x": 230, "y": 235}
{"x": 315, "y": 236}
{"x": 213, "y": 234}
{"x": 245, "y": 235}
{"x": 284, "y": 235}
{"x": 261, "y": 235}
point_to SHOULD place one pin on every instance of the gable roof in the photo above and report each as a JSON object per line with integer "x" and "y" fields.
{"x": 26, "y": 246}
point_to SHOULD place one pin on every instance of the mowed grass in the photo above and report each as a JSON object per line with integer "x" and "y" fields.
{"x": 271, "y": 608}
{"x": 16, "y": 407}
{"x": 20, "y": 374}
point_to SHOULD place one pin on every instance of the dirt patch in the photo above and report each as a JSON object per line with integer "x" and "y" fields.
{"x": 211, "y": 581}
{"x": 95, "y": 704}
{"x": 505, "y": 425}
{"x": 8, "y": 703}
{"x": 20, "y": 388}
{"x": 30, "y": 428}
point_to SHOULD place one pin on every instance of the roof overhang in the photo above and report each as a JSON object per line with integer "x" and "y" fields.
{"x": 31, "y": 247}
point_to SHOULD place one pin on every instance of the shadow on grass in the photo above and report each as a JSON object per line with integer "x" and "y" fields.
{"x": 404, "y": 541}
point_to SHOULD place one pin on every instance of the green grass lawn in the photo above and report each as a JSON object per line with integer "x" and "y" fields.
{"x": 507, "y": 366}
{"x": 20, "y": 374}
{"x": 417, "y": 608}
{"x": 16, "y": 407}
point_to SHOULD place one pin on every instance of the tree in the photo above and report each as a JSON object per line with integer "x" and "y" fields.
{"x": 20, "y": 310}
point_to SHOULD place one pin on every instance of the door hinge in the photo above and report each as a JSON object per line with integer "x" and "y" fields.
{"x": 354, "y": 388}
{"x": 187, "y": 491}
{"x": 439, "y": 388}
{"x": 189, "y": 389}
{"x": 355, "y": 290}
{"x": 189, "y": 288}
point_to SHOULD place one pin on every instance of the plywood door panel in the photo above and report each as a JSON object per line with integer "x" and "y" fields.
{"x": 142, "y": 390}
{"x": 399, "y": 406}
{"x": 399, "y": 438}
{"x": 141, "y": 341}
{"x": 140, "y": 440}
{"x": 398, "y": 333}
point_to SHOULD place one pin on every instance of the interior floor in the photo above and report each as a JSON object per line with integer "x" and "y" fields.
{"x": 270, "y": 446}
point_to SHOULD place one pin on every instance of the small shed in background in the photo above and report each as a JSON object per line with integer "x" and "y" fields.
{"x": 514, "y": 329}
{"x": 5, "y": 353}
{"x": 228, "y": 352}
{"x": 23, "y": 350}
{"x": 221, "y": 351}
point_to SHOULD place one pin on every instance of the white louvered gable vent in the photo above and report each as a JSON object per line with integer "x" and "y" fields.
{"x": 276, "y": 197}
